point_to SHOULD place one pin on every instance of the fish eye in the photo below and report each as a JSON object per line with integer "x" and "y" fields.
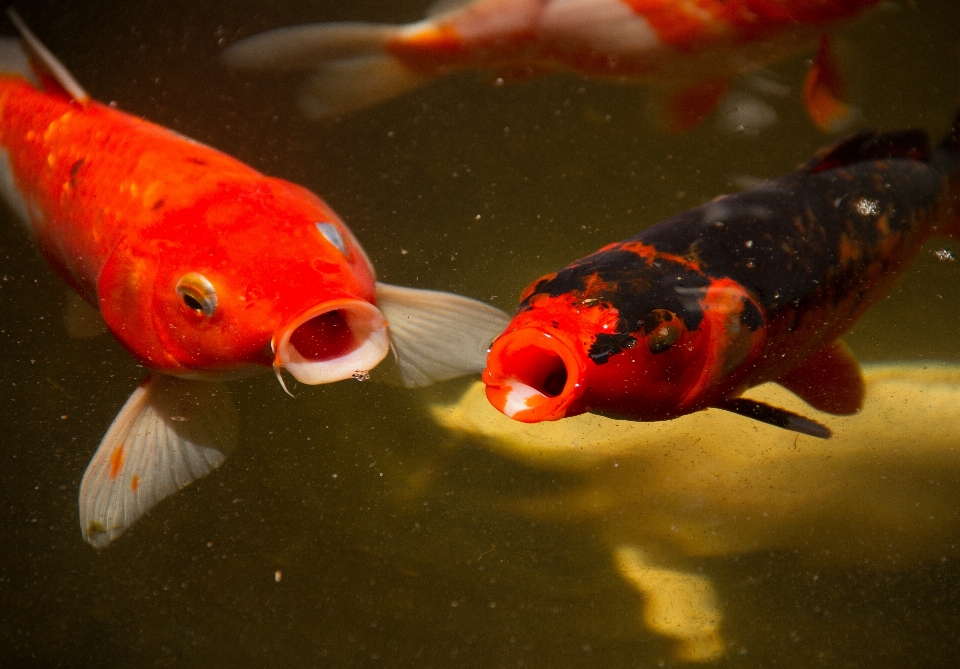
{"x": 332, "y": 235}
{"x": 663, "y": 330}
{"x": 197, "y": 294}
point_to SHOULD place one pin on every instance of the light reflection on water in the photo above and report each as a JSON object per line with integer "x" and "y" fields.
{"x": 386, "y": 530}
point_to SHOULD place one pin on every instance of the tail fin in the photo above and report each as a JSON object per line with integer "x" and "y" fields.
{"x": 348, "y": 85}
{"x": 352, "y": 68}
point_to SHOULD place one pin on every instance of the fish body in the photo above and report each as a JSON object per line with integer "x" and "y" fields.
{"x": 687, "y": 50}
{"x": 749, "y": 288}
{"x": 124, "y": 210}
{"x": 204, "y": 269}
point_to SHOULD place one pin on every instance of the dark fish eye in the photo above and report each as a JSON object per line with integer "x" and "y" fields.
{"x": 197, "y": 294}
{"x": 332, "y": 235}
{"x": 663, "y": 330}
{"x": 663, "y": 337}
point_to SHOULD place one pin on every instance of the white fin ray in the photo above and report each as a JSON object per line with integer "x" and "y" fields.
{"x": 307, "y": 46}
{"x": 170, "y": 432}
{"x": 343, "y": 86}
{"x": 437, "y": 335}
{"x": 45, "y": 59}
{"x": 81, "y": 320}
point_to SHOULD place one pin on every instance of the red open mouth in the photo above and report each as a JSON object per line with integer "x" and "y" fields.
{"x": 332, "y": 341}
{"x": 533, "y": 375}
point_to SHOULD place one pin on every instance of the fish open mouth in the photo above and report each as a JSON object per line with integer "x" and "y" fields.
{"x": 533, "y": 376}
{"x": 333, "y": 341}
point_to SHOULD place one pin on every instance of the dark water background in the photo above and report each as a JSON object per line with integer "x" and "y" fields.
{"x": 381, "y": 529}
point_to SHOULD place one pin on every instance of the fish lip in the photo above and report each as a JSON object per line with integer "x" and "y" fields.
{"x": 522, "y": 366}
{"x": 369, "y": 343}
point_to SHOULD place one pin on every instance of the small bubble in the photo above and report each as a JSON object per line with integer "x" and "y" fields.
{"x": 944, "y": 255}
{"x": 361, "y": 375}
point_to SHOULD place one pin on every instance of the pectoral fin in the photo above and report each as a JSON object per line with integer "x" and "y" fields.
{"x": 829, "y": 380}
{"x": 774, "y": 416}
{"x": 436, "y": 335}
{"x": 170, "y": 432}
{"x": 824, "y": 91}
{"x": 680, "y": 108}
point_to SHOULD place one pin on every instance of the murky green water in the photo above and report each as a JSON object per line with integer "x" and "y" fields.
{"x": 392, "y": 539}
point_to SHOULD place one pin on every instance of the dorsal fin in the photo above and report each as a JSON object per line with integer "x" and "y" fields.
{"x": 870, "y": 145}
{"x": 46, "y": 61}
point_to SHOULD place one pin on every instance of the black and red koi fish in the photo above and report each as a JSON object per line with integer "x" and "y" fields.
{"x": 752, "y": 287}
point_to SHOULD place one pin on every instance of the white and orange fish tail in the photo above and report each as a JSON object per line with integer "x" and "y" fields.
{"x": 351, "y": 67}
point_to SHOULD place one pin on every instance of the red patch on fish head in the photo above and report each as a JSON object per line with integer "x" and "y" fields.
{"x": 564, "y": 355}
{"x": 650, "y": 378}
{"x": 536, "y": 370}
{"x": 232, "y": 269}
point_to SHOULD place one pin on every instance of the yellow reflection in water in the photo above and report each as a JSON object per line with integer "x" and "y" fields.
{"x": 880, "y": 493}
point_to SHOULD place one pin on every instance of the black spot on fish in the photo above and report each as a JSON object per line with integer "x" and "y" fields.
{"x": 73, "y": 171}
{"x": 157, "y": 204}
{"x": 606, "y": 345}
{"x": 196, "y": 161}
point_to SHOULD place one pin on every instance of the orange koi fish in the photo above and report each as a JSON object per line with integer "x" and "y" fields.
{"x": 687, "y": 49}
{"x": 205, "y": 270}
{"x": 752, "y": 287}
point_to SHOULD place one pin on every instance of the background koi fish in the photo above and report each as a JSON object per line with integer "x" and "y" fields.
{"x": 688, "y": 50}
{"x": 749, "y": 288}
{"x": 203, "y": 269}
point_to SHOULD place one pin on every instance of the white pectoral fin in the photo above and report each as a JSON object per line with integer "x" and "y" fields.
{"x": 170, "y": 432}
{"x": 437, "y": 335}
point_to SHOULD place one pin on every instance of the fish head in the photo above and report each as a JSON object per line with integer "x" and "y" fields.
{"x": 625, "y": 338}
{"x": 243, "y": 279}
